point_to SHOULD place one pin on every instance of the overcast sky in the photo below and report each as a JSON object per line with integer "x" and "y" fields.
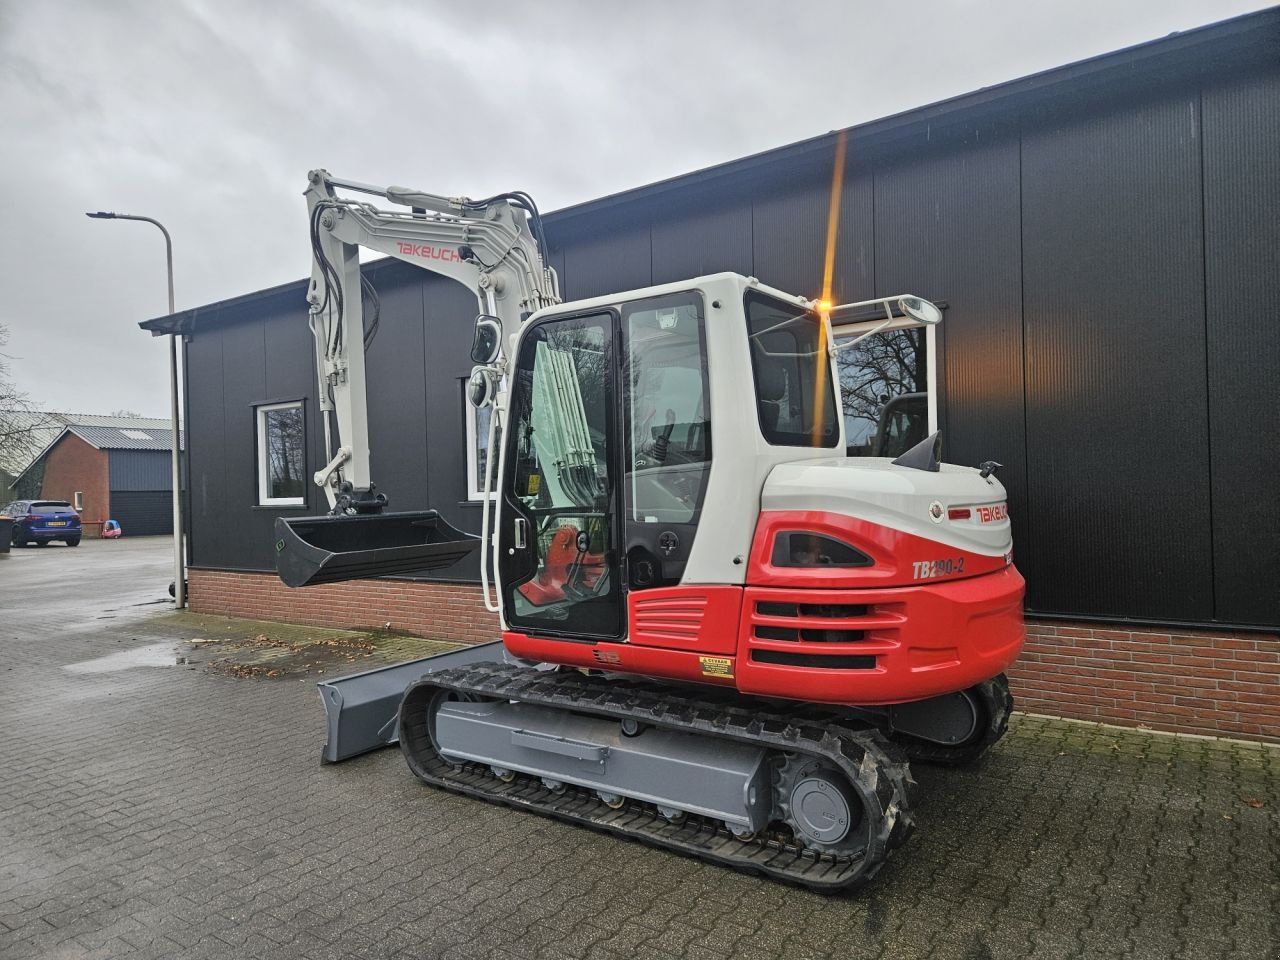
{"x": 207, "y": 115}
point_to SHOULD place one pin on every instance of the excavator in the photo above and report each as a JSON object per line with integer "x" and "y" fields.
{"x": 720, "y": 634}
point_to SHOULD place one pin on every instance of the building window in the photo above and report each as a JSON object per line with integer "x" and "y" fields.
{"x": 887, "y": 387}
{"x": 478, "y": 422}
{"x": 282, "y": 455}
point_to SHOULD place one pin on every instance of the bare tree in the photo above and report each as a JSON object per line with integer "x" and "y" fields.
{"x": 126, "y": 413}
{"x": 286, "y": 452}
{"x": 880, "y": 368}
{"x": 23, "y": 426}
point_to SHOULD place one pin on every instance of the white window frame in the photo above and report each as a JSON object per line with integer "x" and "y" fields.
{"x": 474, "y": 479}
{"x": 847, "y": 331}
{"x": 264, "y": 485}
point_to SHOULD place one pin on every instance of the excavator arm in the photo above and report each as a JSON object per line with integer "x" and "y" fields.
{"x": 494, "y": 247}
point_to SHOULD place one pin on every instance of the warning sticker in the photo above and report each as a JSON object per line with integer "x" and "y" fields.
{"x": 716, "y": 666}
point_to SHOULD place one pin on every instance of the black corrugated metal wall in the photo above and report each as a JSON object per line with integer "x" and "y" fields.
{"x": 1112, "y": 337}
{"x": 142, "y": 513}
{"x": 139, "y": 470}
{"x": 141, "y": 484}
{"x": 1082, "y": 347}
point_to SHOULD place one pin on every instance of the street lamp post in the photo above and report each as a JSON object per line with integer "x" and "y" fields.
{"x": 179, "y": 580}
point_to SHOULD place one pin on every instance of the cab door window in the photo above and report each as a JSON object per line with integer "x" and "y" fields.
{"x": 558, "y": 538}
{"x": 667, "y": 425}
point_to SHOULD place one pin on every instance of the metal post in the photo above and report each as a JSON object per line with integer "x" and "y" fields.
{"x": 179, "y": 573}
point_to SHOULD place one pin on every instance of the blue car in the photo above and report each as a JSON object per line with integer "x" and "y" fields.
{"x": 39, "y": 521}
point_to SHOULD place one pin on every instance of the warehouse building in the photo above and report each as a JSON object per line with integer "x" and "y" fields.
{"x": 108, "y": 468}
{"x": 1104, "y": 236}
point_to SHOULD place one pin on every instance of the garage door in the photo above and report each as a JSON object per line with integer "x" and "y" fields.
{"x": 142, "y": 513}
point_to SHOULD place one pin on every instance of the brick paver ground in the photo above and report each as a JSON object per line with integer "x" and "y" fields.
{"x": 157, "y": 811}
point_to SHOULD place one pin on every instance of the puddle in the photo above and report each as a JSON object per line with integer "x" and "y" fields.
{"x": 152, "y": 655}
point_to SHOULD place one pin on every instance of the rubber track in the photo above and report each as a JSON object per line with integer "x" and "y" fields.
{"x": 997, "y": 703}
{"x": 875, "y": 767}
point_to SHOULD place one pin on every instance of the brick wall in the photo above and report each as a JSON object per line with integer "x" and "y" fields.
{"x": 75, "y": 465}
{"x": 1210, "y": 682}
{"x": 440, "y": 611}
{"x": 1189, "y": 681}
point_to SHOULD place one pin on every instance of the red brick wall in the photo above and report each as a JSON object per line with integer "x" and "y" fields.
{"x": 1211, "y": 682}
{"x": 1189, "y": 681}
{"x": 440, "y": 611}
{"x": 75, "y": 465}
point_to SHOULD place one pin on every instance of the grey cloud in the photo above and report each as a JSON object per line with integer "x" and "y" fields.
{"x": 207, "y": 115}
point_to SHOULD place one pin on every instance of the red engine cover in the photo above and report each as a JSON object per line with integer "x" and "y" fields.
{"x": 892, "y": 632}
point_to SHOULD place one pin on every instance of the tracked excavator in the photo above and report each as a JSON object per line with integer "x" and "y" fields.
{"x": 719, "y": 633}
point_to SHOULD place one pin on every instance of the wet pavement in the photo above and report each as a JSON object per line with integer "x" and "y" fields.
{"x": 153, "y": 806}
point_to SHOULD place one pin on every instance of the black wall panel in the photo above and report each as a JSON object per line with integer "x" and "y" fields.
{"x": 143, "y": 513}
{"x": 139, "y": 469}
{"x": 1242, "y": 255}
{"x": 703, "y": 242}
{"x": 248, "y": 539}
{"x": 947, "y": 227}
{"x": 204, "y": 422}
{"x": 288, "y": 352}
{"x": 285, "y": 339}
{"x": 556, "y": 254}
{"x": 449, "y": 312}
{"x": 789, "y": 238}
{"x": 1117, "y": 420}
{"x": 395, "y": 364}
{"x": 598, "y": 264}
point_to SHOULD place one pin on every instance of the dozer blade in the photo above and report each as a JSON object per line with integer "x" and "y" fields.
{"x": 328, "y": 549}
{"x": 361, "y": 710}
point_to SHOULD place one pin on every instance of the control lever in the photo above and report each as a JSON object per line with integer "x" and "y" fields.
{"x": 661, "y": 443}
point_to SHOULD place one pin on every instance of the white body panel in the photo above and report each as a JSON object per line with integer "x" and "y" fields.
{"x": 873, "y": 489}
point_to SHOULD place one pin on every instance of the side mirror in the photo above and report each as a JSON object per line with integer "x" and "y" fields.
{"x": 481, "y": 387}
{"x": 487, "y": 340}
{"x": 920, "y": 310}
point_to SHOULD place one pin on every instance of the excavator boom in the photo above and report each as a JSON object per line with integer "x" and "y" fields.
{"x": 495, "y": 248}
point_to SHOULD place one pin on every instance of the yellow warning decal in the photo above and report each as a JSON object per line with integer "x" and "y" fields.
{"x": 716, "y": 666}
{"x": 534, "y": 485}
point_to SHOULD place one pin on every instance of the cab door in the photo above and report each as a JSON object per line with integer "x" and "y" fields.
{"x": 557, "y": 543}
